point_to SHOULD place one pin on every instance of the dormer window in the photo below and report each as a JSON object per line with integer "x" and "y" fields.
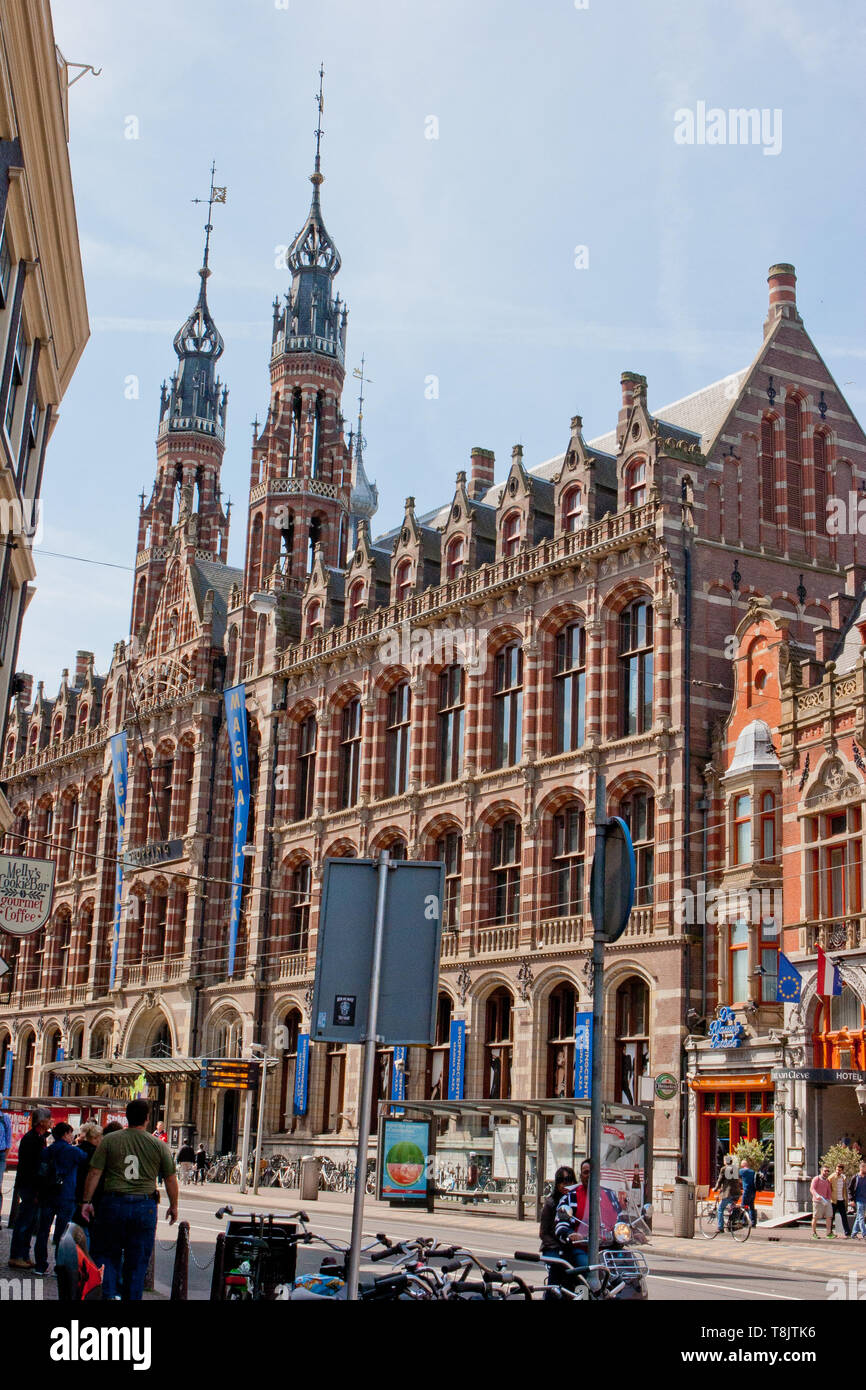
{"x": 511, "y": 534}
{"x": 456, "y": 558}
{"x": 403, "y": 581}
{"x": 637, "y": 485}
{"x": 356, "y": 600}
{"x": 314, "y": 619}
{"x": 58, "y": 729}
{"x": 572, "y": 510}
{"x": 82, "y": 719}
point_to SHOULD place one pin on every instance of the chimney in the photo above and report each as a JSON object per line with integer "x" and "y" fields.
{"x": 82, "y": 661}
{"x": 25, "y": 689}
{"x": 826, "y": 639}
{"x": 633, "y": 390}
{"x": 841, "y": 608}
{"x": 782, "y": 279}
{"x": 855, "y": 579}
{"x": 483, "y": 464}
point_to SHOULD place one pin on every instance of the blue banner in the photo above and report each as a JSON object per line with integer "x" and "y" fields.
{"x": 456, "y": 1059}
{"x": 236, "y": 720}
{"x": 398, "y": 1078}
{"x": 7, "y": 1077}
{"x": 302, "y": 1075}
{"x": 120, "y": 769}
{"x": 582, "y": 1056}
{"x": 57, "y": 1084}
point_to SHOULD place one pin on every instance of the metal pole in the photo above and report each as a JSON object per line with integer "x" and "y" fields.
{"x": 595, "y": 1120}
{"x": 263, "y": 1085}
{"x": 245, "y": 1146}
{"x": 369, "y": 1071}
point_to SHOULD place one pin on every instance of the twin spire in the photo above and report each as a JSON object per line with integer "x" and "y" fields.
{"x": 313, "y": 247}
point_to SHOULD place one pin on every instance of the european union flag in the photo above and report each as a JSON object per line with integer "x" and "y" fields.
{"x": 790, "y": 981}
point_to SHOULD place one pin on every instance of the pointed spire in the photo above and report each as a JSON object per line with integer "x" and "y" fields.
{"x": 195, "y": 392}
{"x": 312, "y": 247}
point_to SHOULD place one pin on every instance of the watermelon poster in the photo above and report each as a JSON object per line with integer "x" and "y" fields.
{"x": 404, "y": 1147}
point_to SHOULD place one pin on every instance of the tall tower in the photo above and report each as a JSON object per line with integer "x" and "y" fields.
{"x": 301, "y": 477}
{"x": 189, "y": 452}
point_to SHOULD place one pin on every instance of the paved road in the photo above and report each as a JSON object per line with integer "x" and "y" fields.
{"x": 671, "y": 1278}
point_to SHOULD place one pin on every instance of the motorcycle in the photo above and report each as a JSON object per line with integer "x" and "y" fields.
{"x": 621, "y": 1273}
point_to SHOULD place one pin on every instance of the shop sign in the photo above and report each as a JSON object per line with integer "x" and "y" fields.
{"x": 667, "y": 1086}
{"x": 26, "y": 893}
{"x": 148, "y": 856}
{"x": 725, "y": 1030}
{"x": 821, "y": 1076}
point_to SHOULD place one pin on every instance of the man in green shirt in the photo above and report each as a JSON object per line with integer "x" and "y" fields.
{"x": 124, "y": 1227}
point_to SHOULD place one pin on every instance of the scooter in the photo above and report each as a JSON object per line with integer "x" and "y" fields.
{"x": 621, "y": 1273}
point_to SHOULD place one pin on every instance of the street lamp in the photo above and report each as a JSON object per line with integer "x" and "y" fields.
{"x": 263, "y": 602}
{"x": 860, "y": 1093}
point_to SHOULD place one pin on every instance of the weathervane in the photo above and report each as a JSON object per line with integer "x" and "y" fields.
{"x": 360, "y": 441}
{"x": 318, "y": 177}
{"x": 216, "y": 195}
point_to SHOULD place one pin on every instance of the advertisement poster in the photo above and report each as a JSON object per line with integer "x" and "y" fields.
{"x": 120, "y": 773}
{"x": 622, "y": 1163}
{"x": 302, "y": 1075}
{"x": 26, "y": 891}
{"x": 404, "y": 1149}
{"x": 582, "y": 1056}
{"x": 456, "y": 1059}
{"x": 236, "y": 721}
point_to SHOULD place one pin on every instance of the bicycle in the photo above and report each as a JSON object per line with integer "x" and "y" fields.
{"x": 737, "y": 1222}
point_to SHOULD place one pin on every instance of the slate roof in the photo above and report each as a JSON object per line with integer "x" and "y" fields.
{"x": 210, "y": 574}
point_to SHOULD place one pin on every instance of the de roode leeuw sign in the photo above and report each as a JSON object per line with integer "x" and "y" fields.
{"x": 26, "y": 893}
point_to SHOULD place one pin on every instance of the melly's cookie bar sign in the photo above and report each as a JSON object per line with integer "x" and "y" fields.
{"x": 26, "y": 894}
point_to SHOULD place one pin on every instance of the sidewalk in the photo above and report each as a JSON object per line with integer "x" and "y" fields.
{"x": 779, "y": 1249}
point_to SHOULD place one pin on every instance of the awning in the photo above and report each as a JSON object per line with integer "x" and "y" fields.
{"x": 122, "y": 1069}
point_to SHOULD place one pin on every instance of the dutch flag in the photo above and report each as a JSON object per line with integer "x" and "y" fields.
{"x": 829, "y": 979}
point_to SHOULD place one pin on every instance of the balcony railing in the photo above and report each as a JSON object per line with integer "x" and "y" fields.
{"x": 294, "y": 966}
{"x": 154, "y": 972}
{"x": 836, "y": 934}
{"x": 450, "y": 941}
{"x": 564, "y": 931}
{"x": 495, "y": 941}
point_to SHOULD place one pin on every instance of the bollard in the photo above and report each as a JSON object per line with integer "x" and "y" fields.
{"x": 683, "y": 1209}
{"x": 180, "y": 1275}
{"x": 216, "y": 1284}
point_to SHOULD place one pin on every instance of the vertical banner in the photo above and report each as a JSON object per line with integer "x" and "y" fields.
{"x": 7, "y": 1077}
{"x": 236, "y": 720}
{"x": 398, "y": 1078}
{"x": 582, "y": 1055}
{"x": 57, "y": 1083}
{"x": 120, "y": 768}
{"x": 456, "y": 1059}
{"x": 302, "y": 1075}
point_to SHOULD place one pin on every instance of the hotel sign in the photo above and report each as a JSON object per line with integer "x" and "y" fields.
{"x": 821, "y": 1076}
{"x": 26, "y": 894}
{"x": 149, "y": 856}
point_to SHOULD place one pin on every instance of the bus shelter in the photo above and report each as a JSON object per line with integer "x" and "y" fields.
{"x": 504, "y": 1153}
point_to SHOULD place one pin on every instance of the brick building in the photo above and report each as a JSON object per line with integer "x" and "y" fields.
{"x": 451, "y": 689}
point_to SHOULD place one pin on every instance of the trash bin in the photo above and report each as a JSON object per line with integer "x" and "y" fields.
{"x": 683, "y": 1208}
{"x": 311, "y": 1168}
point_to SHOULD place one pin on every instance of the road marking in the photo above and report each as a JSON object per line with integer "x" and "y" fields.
{"x": 726, "y": 1288}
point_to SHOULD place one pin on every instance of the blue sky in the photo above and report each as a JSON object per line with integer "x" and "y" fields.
{"x": 555, "y": 128}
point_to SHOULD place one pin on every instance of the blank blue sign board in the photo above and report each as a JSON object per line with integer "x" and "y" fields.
{"x": 410, "y": 952}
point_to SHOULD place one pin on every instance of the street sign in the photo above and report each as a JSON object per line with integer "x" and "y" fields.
{"x": 232, "y": 1074}
{"x": 410, "y": 952}
{"x": 620, "y": 875}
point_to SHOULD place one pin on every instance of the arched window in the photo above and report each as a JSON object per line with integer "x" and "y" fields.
{"x": 768, "y": 468}
{"x": 498, "y": 1045}
{"x": 794, "y": 462}
{"x": 350, "y": 753}
{"x": 449, "y": 849}
{"x": 505, "y": 867}
{"x": 561, "y": 1010}
{"x": 632, "y": 1039}
{"x": 314, "y": 618}
{"x": 356, "y": 600}
{"x": 455, "y": 559}
{"x": 452, "y": 701}
{"x": 569, "y": 861}
{"x": 636, "y": 668}
{"x": 292, "y": 1024}
{"x": 397, "y": 739}
{"x": 58, "y": 729}
{"x": 508, "y": 706}
{"x": 819, "y": 472}
{"x": 742, "y": 829}
{"x": 572, "y": 510}
{"x": 436, "y": 1079}
{"x": 82, "y": 719}
{"x": 570, "y": 688}
{"x": 299, "y": 916}
{"x": 256, "y": 552}
{"x": 307, "y": 734}
{"x": 232, "y": 656}
{"x": 768, "y": 826}
{"x": 403, "y": 581}
{"x": 638, "y": 812}
{"x": 335, "y": 1086}
{"x": 72, "y": 836}
{"x": 637, "y": 484}
{"x": 511, "y": 534}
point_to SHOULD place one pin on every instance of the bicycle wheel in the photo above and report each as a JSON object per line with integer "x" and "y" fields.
{"x": 740, "y": 1224}
{"x": 709, "y": 1222}
{"x": 235, "y": 1175}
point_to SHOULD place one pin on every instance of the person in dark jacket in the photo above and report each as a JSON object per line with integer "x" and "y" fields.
{"x": 563, "y": 1178}
{"x": 27, "y": 1187}
{"x": 89, "y": 1139}
{"x": 748, "y": 1178}
{"x": 201, "y": 1163}
{"x": 58, "y": 1171}
{"x": 857, "y": 1193}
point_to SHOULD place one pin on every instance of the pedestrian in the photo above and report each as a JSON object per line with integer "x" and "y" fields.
{"x": 124, "y": 1230}
{"x": 186, "y": 1163}
{"x": 58, "y": 1170}
{"x": 839, "y": 1198}
{"x": 27, "y": 1187}
{"x": 857, "y": 1190}
{"x": 822, "y": 1202}
{"x": 160, "y": 1132}
{"x": 89, "y": 1139}
{"x": 748, "y": 1177}
{"x": 562, "y": 1179}
{"x": 5, "y": 1146}
{"x": 201, "y": 1162}
{"x": 729, "y": 1188}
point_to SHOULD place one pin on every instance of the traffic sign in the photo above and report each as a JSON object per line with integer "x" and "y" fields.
{"x": 620, "y": 874}
{"x": 4, "y": 967}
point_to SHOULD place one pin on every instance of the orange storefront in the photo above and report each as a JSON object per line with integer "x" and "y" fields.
{"x": 731, "y": 1109}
